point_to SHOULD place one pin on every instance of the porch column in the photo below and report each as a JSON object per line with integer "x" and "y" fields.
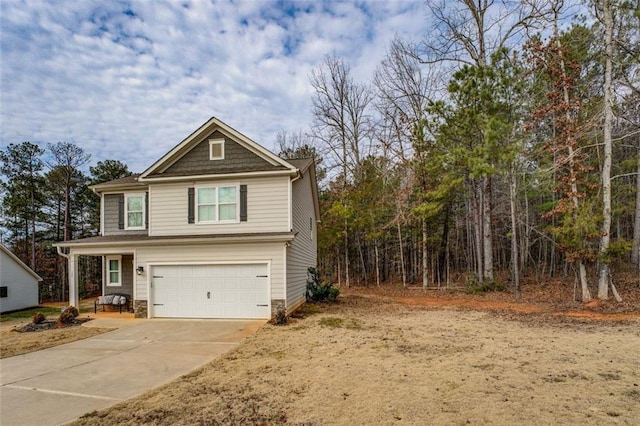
{"x": 74, "y": 295}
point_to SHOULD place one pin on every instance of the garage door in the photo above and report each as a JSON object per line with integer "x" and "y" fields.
{"x": 210, "y": 291}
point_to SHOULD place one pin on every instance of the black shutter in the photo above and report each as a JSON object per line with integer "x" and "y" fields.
{"x": 146, "y": 209}
{"x": 243, "y": 203}
{"x": 121, "y": 211}
{"x": 191, "y": 217}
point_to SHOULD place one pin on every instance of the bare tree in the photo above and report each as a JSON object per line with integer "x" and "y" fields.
{"x": 342, "y": 125}
{"x": 404, "y": 91}
{"x": 635, "y": 250}
{"x": 341, "y": 119}
{"x": 67, "y": 159}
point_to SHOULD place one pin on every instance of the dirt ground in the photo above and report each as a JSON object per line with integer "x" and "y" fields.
{"x": 401, "y": 358}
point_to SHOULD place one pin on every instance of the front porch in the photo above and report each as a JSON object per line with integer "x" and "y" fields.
{"x": 86, "y": 308}
{"x": 107, "y": 314}
{"x": 117, "y": 277}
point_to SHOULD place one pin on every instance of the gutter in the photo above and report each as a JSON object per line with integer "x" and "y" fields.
{"x": 179, "y": 241}
{"x": 239, "y": 175}
{"x": 298, "y": 175}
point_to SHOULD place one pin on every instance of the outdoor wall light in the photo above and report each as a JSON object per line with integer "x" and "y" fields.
{"x": 139, "y": 270}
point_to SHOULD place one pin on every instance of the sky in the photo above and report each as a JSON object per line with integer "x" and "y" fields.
{"x": 129, "y": 80}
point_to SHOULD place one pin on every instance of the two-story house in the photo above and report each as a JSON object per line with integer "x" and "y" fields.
{"x": 219, "y": 227}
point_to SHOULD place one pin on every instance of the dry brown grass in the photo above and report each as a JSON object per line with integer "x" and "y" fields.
{"x": 372, "y": 360}
{"x": 13, "y": 343}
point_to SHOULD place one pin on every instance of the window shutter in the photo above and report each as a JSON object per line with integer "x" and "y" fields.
{"x": 121, "y": 211}
{"x": 243, "y": 203}
{"x": 146, "y": 209}
{"x": 191, "y": 217}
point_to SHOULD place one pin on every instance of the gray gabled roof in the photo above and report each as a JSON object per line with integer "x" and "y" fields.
{"x": 119, "y": 184}
{"x": 301, "y": 163}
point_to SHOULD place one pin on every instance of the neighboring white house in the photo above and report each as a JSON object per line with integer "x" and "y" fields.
{"x": 219, "y": 227}
{"x": 18, "y": 283}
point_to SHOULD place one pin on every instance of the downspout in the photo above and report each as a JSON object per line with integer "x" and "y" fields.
{"x": 59, "y": 250}
{"x": 298, "y": 175}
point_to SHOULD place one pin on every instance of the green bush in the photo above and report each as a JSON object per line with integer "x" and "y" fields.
{"x": 475, "y": 287}
{"x": 318, "y": 291}
{"x": 38, "y": 318}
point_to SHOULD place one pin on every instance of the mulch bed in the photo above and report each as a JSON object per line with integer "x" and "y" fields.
{"x": 49, "y": 325}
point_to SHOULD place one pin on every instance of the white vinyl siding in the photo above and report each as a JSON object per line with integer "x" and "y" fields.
{"x": 267, "y": 209}
{"x": 22, "y": 287}
{"x": 214, "y": 253}
{"x": 303, "y": 250}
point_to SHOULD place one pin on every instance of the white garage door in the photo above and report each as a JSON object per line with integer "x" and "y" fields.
{"x": 210, "y": 291}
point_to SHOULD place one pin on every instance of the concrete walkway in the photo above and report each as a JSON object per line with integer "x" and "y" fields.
{"x": 57, "y": 385}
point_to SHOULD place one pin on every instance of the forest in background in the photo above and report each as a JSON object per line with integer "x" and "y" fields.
{"x": 505, "y": 143}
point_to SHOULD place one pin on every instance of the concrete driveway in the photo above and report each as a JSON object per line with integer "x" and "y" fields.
{"x": 57, "y": 385}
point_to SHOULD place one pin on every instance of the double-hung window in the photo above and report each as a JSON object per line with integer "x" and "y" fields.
{"x": 217, "y": 204}
{"x": 114, "y": 271}
{"x": 134, "y": 211}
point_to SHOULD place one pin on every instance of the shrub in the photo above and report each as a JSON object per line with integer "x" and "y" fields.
{"x": 68, "y": 315}
{"x": 318, "y": 291}
{"x": 280, "y": 317}
{"x": 475, "y": 287}
{"x": 73, "y": 310}
{"x": 38, "y": 318}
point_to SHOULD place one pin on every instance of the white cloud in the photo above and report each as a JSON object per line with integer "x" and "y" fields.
{"x": 130, "y": 80}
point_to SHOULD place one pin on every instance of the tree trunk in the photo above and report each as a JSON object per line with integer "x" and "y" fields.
{"x": 603, "y": 282}
{"x": 375, "y": 247}
{"x": 635, "y": 252}
{"x": 33, "y": 228}
{"x": 515, "y": 264}
{"x": 487, "y": 243}
{"x": 401, "y": 250}
{"x": 346, "y": 255}
{"x": 586, "y": 295}
{"x": 582, "y": 275}
{"x": 525, "y": 246}
{"x": 339, "y": 272}
{"x": 443, "y": 261}
{"x": 477, "y": 228}
{"x": 425, "y": 260}
{"x": 362, "y": 262}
